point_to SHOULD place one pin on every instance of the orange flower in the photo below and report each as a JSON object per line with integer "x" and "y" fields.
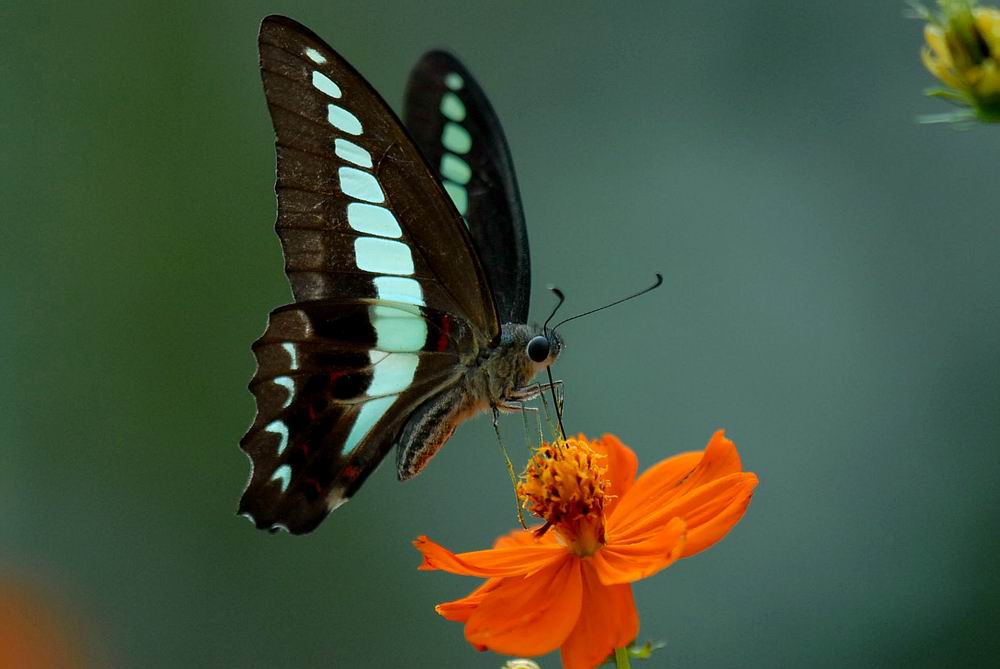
{"x": 567, "y": 584}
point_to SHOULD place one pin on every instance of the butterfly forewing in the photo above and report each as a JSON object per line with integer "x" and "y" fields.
{"x": 458, "y": 132}
{"x": 392, "y": 304}
{"x": 354, "y": 194}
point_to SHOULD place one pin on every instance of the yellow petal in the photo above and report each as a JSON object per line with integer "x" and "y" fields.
{"x": 989, "y": 81}
{"x": 936, "y": 41}
{"x": 987, "y": 21}
{"x": 941, "y": 71}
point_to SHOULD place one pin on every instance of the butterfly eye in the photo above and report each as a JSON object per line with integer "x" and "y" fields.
{"x": 538, "y": 348}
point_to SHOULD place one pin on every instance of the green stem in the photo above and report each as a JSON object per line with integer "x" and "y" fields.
{"x": 621, "y": 658}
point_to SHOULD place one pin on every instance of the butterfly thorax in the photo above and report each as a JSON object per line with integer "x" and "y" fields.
{"x": 492, "y": 382}
{"x": 505, "y": 368}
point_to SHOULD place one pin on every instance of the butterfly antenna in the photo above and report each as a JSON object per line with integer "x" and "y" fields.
{"x": 656, "y": 284}
{"x": 545, "y": 329}
{"x": 562, "y": 298}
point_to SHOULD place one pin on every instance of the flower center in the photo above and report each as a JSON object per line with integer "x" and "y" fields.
{"x": 565, "y": 486}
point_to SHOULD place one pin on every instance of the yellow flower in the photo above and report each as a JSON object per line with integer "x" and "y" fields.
{"x": 963, "y": 51}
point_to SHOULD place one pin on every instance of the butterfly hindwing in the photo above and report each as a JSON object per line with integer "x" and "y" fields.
{"x": 458, "y": 132}
{"x": 332, "y": 390}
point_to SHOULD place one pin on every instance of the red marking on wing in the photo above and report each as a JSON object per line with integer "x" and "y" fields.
{"x": 314, "y": 483}
{"x": 442, "y": 343}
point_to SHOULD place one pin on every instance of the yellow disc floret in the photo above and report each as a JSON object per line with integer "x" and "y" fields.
{"x": 564, "y": 484}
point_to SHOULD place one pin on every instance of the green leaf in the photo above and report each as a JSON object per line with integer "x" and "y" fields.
{"x": 646, "y": 650}
{"x": 637, "y": 652}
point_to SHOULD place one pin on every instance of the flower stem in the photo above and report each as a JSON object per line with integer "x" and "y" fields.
{"x": 621, "y": 658}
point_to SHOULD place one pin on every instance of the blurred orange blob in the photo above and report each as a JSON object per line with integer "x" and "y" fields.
{"x": 33, "y": 634}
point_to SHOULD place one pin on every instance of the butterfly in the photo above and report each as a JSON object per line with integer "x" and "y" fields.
{"x": 407, "y": 255}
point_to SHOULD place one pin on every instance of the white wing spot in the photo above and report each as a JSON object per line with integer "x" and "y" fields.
{"x": 325, "y": 84}
{"x": 369, "y": 414}
{"x": 288, "y": 384}
{"x": 455, "y": 138}
{"x": 343, "y": 120}
{"x": 383, "y": 256}
{"x": 315, "y": 56}
{"x": 453, "y": 107}
{"x": 280, "y": 429}
{"x": 393, "y": 374}
{"x": 293, "y": 354}
{"x": 458, "y": 195}
{"x": 399, "y": 289}
{"x": 455, "y": 169}
{"x": 336, "y": 498}
{"x": 283, "y": 474}
{"x": 352, "y": 153}
{"x": 397, "y": 330}
{"x": 360, "y": 185}
{"x": 372, "y": 219}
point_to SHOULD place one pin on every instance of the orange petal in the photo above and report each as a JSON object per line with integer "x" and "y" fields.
{"x": 716, "y": 524}
{"x": 530, "y": 615}
{"x": 521, "y": 537}
{"x": 639, "y": 557}
{"x": 459, "y": 610}
{"x": 658, "y": 480}
{"x": 622, "y": 465}
{"x": 676, "y": 476}
{"x": 696, "y": 507}
{"x": 608, "y": 620}
{"x": 514, "y": 560}
{"x": 719, "y": 459}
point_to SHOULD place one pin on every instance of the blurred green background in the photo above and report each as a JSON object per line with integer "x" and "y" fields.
{"x": 831, "y": 299}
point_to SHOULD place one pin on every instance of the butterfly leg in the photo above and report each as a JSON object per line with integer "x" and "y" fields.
{"x": 538, "y": 390}
{"x": 515, "y": 406}
{"x": 510, "y": 466}
{"x": 533, "y": 390}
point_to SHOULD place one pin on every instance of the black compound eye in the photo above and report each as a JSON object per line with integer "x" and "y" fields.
{"x": 538, "y": 348}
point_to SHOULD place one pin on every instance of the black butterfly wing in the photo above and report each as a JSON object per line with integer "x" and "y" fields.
{"x": 392, "y": 303}
{"x": 335, "y": 381}
{"x": 458, "y": 132}
{"x": 348, "y": 171}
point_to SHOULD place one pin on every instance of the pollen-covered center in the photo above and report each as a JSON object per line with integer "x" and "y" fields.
{"x": 564, "y": 485}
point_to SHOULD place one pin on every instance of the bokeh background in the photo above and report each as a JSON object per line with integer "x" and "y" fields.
{"x": 831, "y": 299}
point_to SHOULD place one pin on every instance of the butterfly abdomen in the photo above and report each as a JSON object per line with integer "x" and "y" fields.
{"x": 427, "y": 430}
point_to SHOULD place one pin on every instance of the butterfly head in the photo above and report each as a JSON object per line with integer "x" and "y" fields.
{"x": 529, "y": 349}
{"x": 543, "y": 349}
